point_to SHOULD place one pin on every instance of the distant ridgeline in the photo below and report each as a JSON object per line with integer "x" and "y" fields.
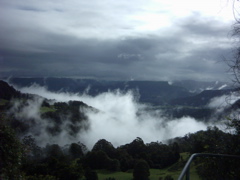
{"x": 174, "y": 99}
{"x": 153, "y": 92}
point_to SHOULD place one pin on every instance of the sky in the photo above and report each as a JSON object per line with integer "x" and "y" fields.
{"x": 117, "y": 40}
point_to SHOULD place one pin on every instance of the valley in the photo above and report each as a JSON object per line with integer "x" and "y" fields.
{"x": 106, "y": 133}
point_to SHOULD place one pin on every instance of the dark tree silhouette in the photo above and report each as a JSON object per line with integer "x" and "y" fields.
{"x": 234, "y": 64}
{"x": 105, "y": 146}
{"x": 75, "y": 151}
{"x": 90, "y": 174}
{"x": 141, "y": 170}
{"x": 10, "y": 153}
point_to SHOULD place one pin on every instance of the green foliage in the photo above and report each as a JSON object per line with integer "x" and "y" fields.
{"x": 55, "y": 162}
{"x": 60, "y": 111}
{"x": 219, "y": 168}
{"x": 7, "y": 92}
{"x": 72, "y": 171}
{"x": 58, "y": 168}
{"x": 168, "y": 177}
{"x": 54, "y": 151}
{"x": 126, "y": 161}
{"x": 90, "y": 174}
{"x": 40, "y": 177}
{"x": 113, "y": 165}
{"x": 234, "y": 124}
{"x": 96, "y": 160}
{"x": 162, "y": 155}
{"x": 100, "y": 160}
{"x": 105, "y": 146}
{"x": 45, "y": 109}
{"x": 110, "y": 178}
{"x": 11, "y": 153}
{"x": 75, "y": 151}
{"x": 155, "y": 174}
{"x": 136, "y": 147}
{"x": 141, "y": 170}
{"x": 212, "y": 140}
{"x": 32, "y": 151}
{"x": 3, "y": 102}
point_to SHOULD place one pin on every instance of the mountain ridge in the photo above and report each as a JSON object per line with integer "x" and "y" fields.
{"x": 153, "y": 92}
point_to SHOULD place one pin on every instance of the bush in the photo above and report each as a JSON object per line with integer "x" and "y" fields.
{"x": 90, "y": 174}
{"x": 11, "y": 153}
{"x": 141, "y": 170}
{"x": 168, "y": 177}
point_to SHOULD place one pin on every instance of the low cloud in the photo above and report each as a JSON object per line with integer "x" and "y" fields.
{"x": 125, "y": 56}
{"x": 222, "y": 102}
{"x": 120, "y": 119}
{"x": 224, "y": 110}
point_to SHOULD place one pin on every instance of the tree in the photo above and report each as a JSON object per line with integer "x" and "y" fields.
{"x": 105, "y": 146}
{"x": 54, "y": 150}
{"x": 73, "y": 171}
{"x": 75, "y": 151}
{"x": 11, "y": 153}
{"x": 90, "y": 174}
{"x": 126, "y": 161}
{"x": 32, "y": 151}
{"x": 141, "y": 170}
{"x": 113, "y": 165}
{"x": 168, "y": 177}
{"x": 136, "y": 147}
{"x": 97, "y": 160}
{"x": 234, "y": 64}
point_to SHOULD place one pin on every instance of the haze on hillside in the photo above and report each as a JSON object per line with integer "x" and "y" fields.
{"x": 153, "y": 40}
{"x": 120, "y": 118}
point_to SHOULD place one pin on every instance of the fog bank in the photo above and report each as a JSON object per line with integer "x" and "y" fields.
{"x": 120, "y": 119}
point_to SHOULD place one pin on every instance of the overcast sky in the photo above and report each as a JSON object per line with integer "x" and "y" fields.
{"x": 122, "y": 40}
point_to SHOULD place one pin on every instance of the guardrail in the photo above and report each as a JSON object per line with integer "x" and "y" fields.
{"x": 186, "y": 169}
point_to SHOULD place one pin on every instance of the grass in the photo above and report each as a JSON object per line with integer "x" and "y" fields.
{"x": 3, "y": 102}
{"x": 103, "y": 174}
{"x": 155, "y": 174}
{"x": 45, "y": 109}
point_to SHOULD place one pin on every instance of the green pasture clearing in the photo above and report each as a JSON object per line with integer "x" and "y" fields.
{"x": 3, "y": 102}
{"x": 155, "y": 174}
{"x": 45, "y": 109}
{"x": 103, "y": 174}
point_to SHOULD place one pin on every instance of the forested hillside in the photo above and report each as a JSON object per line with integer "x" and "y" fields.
{"x": 23, "y": 155}
{"x": 177, "y": 99}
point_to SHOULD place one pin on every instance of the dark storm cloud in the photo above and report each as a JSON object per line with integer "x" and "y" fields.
{"x": 29, "y": 8}
{"x": 203, "y": 26}
{"x": 190, "y": 49}
{"x": 133, "y": 57}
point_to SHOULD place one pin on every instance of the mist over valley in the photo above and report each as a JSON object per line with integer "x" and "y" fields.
{"x": 72, "y": 110}
{"x": 111, "y": 90}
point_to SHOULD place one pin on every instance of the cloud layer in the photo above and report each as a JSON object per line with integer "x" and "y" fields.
{"x": 147, "y": 40}
{"x": 120, "y": 120}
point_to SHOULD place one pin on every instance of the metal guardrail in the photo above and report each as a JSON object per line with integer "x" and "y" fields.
{"x": 186, "y": 169}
